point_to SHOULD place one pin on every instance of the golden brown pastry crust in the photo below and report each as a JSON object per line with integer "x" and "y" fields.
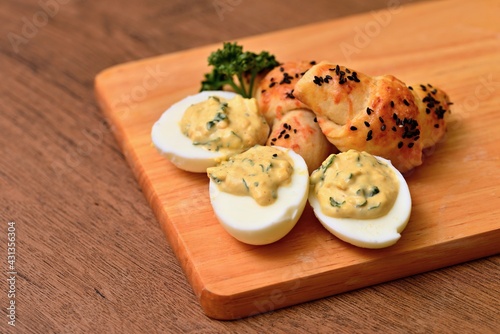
{"x": 299, "y": 130}
{"x": 275, "y": 92}
{"x": 379, "y": 115}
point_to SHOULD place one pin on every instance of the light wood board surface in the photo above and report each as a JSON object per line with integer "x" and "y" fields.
{"x": 455, "y": 216}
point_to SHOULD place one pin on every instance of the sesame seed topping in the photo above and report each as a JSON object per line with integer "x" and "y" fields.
{"x": 290, "y": 95}
{"x": 353, "y": 128}
{"x": 381, "y": 119}
{"x": 406, "y": 102}
{"x": 410, "y": 145}
{"x": 369, "y": 135}
{"x": 367, "y": 124}
{"x": 382, "y": 128}
{"x": 369, "y": 111}
{"x": 400, "y": 144}
{"x": 392, "y": 104}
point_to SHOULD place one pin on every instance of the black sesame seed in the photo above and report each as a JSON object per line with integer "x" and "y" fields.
{"x": 410, "y": 87}
{"x": 406, "y": 102}
{"x": 369, "y": 135}
{"x": 400, "y": 144}
{"x": 394, "y": 129}
{"x": 410, "y": 145}
{"x": 353, "y": 128}
{"x": 318, "y": 80}
{"x": 382, "y": 128}
{"x": 436, "y": 126}
{"x": 369, "y": 111}
{"x": 275, "y": 155}
{"x": 394, "y": 116}
{"x": 282, "y": 69}
{"x": 271, "y": 85}
{"x": 427, "y": 111}
{"x": 312, "y": 62}
{"x": 367, "y": 124}
{"x": 347, "y": 70}
{"x": 337, "y": 69}
{"x": 290, "y": 95}
{"x": 287, "y": 136}
{"x": 273, "y": 140}
{"x": 381, "y": 119}
{"x": 392, "y": 104}
{"x": 423, "y": 88}
{"x": 315, "y": 120}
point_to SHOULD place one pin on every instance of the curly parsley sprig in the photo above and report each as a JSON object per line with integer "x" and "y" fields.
{"x": 237, "y": 68}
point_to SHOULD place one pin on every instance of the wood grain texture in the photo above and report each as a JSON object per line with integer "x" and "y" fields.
{"x": 92, "y": 257}
{"x": 233, "y": 280}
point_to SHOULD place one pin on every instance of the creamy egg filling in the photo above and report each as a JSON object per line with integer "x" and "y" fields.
{"x": 257, "y": 172}
{"x": 219, "y": 124}
{"x": 354, "y": 184}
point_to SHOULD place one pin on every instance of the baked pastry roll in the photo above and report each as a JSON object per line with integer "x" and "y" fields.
{"x": 293, "y": 125}
{"x": 299, "y": 130}
{"x": 379, "y": 115}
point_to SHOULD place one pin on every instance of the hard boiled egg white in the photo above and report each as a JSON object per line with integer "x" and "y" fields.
{"x": 168, "y": 138}
{"x": 370, "y": 233}
{"x": 246, "y": 220}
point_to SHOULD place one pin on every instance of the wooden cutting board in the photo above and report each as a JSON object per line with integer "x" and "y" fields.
{"x": 454, "y": 45}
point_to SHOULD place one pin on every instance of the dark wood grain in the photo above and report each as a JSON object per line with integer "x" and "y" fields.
{"x": 91, "y": 257}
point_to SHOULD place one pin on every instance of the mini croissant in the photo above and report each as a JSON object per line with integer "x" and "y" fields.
{"x": 379, "y": 115}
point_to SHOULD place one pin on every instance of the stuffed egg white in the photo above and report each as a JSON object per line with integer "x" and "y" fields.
{"x": 361, "y": 199}
{"x": 203, "y": 129}
{"x": 259, "y": 195}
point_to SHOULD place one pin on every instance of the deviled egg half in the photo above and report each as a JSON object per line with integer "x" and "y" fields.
{"x": 259, "y": 195}
{"x": 203, "y": 129}
{"x": 360, "y": 198}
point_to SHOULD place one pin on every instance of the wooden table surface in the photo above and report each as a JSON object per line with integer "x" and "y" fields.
{"x": 90, "y": 256}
